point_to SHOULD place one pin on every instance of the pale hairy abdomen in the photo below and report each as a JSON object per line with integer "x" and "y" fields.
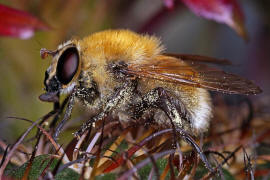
{"x": 196, "y": 100}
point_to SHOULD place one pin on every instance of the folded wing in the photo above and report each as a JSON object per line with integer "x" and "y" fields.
{"x": 193, "y": 73}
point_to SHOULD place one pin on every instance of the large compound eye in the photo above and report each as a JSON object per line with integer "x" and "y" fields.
{"x": 67, "y": 65}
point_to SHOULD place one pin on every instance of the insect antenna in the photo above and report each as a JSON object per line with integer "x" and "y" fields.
{"x": 44, "y": 53}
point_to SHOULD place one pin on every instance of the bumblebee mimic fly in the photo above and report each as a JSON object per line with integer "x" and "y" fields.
{"x": 120, "y": 72}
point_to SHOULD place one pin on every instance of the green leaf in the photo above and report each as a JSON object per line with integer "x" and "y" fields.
{"x": 67, "y": 174}
{"x": 227, "y": 175}
{"x": 39, "y": 164}
{"x": 108, "y": 176}
{"x": 145, "y": 171}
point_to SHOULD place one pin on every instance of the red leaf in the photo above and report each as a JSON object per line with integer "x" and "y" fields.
{"x": 222, "y": 11}
{"x": 120, "y": 160}
{"x": 17, "y": 23}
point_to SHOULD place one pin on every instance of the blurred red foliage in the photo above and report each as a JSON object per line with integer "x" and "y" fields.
{"x": 19, "y": 24}
{"x": 222, "y": 11}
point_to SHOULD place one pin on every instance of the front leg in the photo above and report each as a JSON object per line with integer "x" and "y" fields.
{"x": 86, "y": 92}
{"x": 122, "y": 93}
{"x": 67, "y": 115}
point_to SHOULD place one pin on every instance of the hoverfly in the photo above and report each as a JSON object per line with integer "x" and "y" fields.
{"x": 119, "y": 71}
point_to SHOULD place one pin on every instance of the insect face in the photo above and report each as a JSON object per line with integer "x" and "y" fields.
{"x": 61, "y": 75}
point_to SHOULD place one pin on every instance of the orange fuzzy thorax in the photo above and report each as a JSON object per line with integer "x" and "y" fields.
{"x": 120, "y": 44}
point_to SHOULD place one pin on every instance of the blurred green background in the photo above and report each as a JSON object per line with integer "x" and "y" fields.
{"x": 22, "y": 70}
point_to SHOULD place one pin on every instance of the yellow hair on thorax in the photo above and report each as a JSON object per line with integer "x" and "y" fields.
{"x": 120, "y": 45}
{"x": 102, "y": 48}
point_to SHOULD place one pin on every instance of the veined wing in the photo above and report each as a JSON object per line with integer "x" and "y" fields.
{"x": 193, "y": 73}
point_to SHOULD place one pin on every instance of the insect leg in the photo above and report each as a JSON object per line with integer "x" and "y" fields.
{"x": 66, "y": 116}
{"x": 59, "y": 110}
{"x": 123, "y": 93}
{"x": 56, "y": 112}
{"x": 159, "y": 98}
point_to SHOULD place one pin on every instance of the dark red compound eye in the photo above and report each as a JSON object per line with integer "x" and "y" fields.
{"x": 67, "y": 66}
